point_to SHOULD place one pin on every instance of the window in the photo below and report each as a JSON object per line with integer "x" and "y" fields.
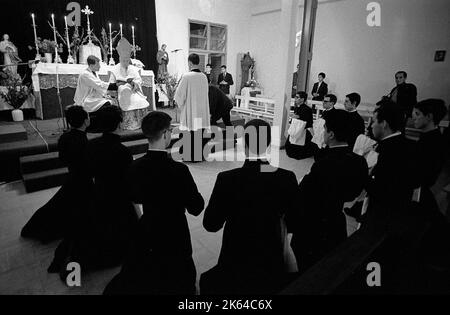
{"x": 209, "y": 41}
{"x": 207, "y": 37}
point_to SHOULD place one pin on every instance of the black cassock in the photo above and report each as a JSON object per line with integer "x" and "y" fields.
{"x": 52, "y": 221}
{"x": 103, "y": 235}
{"x": 318, "y": 223}
{"x": 300, "y": 152}
{"x": 160, "y": 260}
{"x": 249, "y": 203}
{"x": 356, "y": 127}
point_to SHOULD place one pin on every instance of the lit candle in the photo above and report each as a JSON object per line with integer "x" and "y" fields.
{"x": 134, "y": 42}
{"x": 121, "y": 33}
{"x": 110, "y": 39}
{"x": 67, "y": 34}
{"x": 35, "y": 34}
{"x": 54, "y": 35}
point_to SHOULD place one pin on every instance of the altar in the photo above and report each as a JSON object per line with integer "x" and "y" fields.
{"x": 45, "y": 84}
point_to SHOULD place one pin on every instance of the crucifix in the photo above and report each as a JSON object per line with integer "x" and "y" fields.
{"x": 88, "y": 12}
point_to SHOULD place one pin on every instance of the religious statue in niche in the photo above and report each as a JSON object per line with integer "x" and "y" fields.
{"x": 247, "y": 65}
{"x": 9, "y": 53}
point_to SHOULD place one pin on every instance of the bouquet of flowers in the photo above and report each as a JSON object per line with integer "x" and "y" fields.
{"x": 15, "y": 92}
{"x": 168, "y": 85}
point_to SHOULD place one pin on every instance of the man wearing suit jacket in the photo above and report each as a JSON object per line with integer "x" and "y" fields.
{"x": 225, "y": 81}
{"x": 356, "y": 124}
{"x": 318, "y": 223}
{"x": 404, "y": 94}
{"x": 160, "y": 261}
{"x": 391, "y": 185}
{"x": 251, "y": 259}
{"x": 320, "y": 88}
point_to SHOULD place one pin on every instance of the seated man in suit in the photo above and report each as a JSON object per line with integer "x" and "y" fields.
{"x": 357, "y": 126}
{"x": 160, "y": 261}
{"x": 404, "y": 94}
{"x": 393, "y": 179}
{"x": 318, "y": 223}
{"x": 225, "y": 81}
{"x": 251, "y": 259}
{"x": 320, "y": 88}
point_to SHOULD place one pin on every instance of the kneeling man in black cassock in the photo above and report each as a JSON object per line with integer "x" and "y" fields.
{"x": 160, "y": 261}
{"x": 252, "y": 256}
{"x": 338, "y": 176}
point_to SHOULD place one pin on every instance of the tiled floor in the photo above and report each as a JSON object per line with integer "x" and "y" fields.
{"x": 23, "y": 263}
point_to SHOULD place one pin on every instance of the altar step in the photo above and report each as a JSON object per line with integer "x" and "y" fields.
{"x": 45, "y": 171}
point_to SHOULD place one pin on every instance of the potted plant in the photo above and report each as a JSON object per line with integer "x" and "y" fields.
{"x": 168, "y": 84}
{"x": 47, "y": 47}
{"x": 15, "y": 93}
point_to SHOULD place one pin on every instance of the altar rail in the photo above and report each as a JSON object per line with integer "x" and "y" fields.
{"x": 264, "y": 108}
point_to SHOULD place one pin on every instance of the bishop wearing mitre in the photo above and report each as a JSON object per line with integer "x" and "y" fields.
{"x": 128, "y": 79}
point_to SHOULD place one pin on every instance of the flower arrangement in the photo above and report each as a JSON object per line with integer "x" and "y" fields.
{"x": 168, "y": 85}
{"x": 15, "y": 92}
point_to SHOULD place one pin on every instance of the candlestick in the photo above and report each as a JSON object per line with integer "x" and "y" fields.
{"x": 121, "y": 33}
{"x": 111, "y": 60}
{"x": 56, "y": 40}
{"x": 38, "y": 55}
{"x": 134, "y": 42}
{"x": 69, "y": 58}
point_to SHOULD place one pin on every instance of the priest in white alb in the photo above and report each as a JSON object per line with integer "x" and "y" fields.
{"x": 192, "y": 98}
{"x": 132, "y": 100}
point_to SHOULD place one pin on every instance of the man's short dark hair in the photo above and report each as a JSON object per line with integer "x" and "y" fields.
{"x": 154, "y": 125}
{"x": 92, "y": 60}
{"x": 436, "y": 107}
{"x": 302, "y": 95}
{"x": 392, "y": 114}
{"x": 209, "y": 65}
{"x": 224, "y": 67}
{"x": 337, "y": 122}
{"x": 109, "y": 118}
{"x": 354, "y": 98}
{"x": 333, "y": 98}
{"x": 76, "y": 116}
{"x": 402, "y": 72}
{"x": 257, "y": 136}
{"x": 195, "y": 59}
{"x": 323, "y": 75}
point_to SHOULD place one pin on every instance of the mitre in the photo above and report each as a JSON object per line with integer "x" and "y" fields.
{"x": 124, "y": 48}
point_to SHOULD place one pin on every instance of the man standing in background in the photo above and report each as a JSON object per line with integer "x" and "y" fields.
{"x": 225, "y": 81}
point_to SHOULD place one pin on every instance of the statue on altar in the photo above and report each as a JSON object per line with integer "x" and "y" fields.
{"x": 9, "y": 53}
{"x": 163, "y": 60}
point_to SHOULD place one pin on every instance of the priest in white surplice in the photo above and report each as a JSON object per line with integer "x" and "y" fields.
{"x": 191, "y": 97}
{"x": 91, "y": 92}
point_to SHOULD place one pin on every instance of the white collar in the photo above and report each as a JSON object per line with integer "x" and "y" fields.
{"x": 392, "y": 135}
{"x": 339, "y": 146}
{"x": 156, "y": 150}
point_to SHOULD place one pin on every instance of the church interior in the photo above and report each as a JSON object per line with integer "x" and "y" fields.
{"x": 274, "y": 62}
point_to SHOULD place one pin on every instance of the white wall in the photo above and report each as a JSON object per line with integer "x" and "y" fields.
{"x": 264, "y": 41}
{"x": 358, "y": 58}
{"x": 363, "y": 59}
{"x": 173, "y": 27}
